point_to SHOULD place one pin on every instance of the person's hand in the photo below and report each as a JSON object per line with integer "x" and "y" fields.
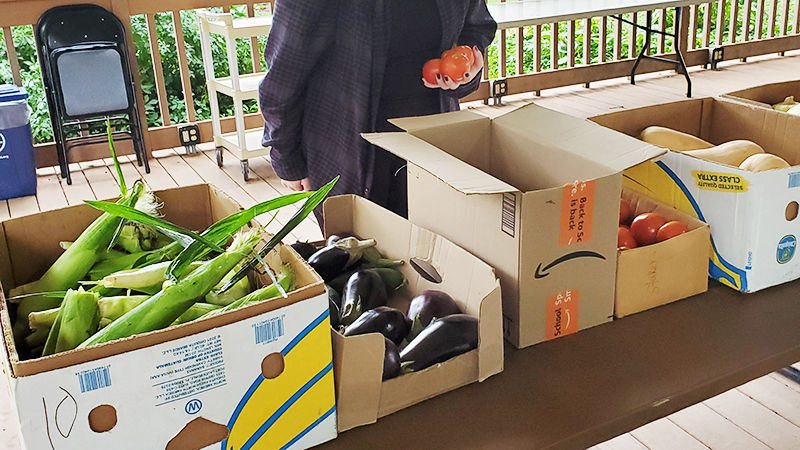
{"x": 444, "y": 82}
{"x": 299, "y": 185}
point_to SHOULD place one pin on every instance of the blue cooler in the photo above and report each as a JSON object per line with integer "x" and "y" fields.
{"x": 17, "y": 163}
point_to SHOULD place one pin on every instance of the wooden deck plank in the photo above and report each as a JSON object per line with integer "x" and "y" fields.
{"x": 49, "y": 192}
{"x": 713, "y": 430}
{"x": 665, "y": 435}
{"x": 753, "y": 417}
{"x": 176, "y": 167}
{"x": 23, "y": 206}
{"x": 80, "y": 189}
{"x": 4, "y": 212}
{"x": 102, "y": 182}
{"x": 775, "y": 396}
{"x": 158, "y": 178}
{"x": 785, "y": 381}
{"x": 622, "y": 442}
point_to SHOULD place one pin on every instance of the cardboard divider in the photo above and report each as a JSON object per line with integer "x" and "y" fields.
{"x": 362, "y": 397}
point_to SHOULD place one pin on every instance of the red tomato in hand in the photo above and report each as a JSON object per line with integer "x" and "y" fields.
{"x": 464, "y": 50}
{"x": 455, "y": 66}
{"x": 430, "y": 71}
{"x": 671, "y": 229}
{"x": 625, "y": 239}
{"x": 645, "y": 227}
{"x": 625, "y": 212}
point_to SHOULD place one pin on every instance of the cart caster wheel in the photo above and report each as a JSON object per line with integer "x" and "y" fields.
{"x": 246, "y": 170}
{"x": 219, "y": 156}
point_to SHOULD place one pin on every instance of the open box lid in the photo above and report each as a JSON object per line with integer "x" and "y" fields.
{"x": 531, "y": 123}
{"x": 552, "y": 129}
{"x": 448, "y": 168}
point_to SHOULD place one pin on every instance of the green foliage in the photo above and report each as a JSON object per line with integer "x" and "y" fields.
{"x": 26, "y": 52}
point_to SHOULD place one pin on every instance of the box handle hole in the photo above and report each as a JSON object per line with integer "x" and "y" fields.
{"x": 102, "y": 418}
{"x": 791, "y": 211}
{"x": 272, "y": 366}
{"x": 426, "y": 270}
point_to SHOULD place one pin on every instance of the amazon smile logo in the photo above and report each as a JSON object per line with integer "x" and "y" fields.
{"x": 542, "y": 272}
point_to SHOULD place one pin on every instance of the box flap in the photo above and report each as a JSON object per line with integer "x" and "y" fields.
{"x": 444, "y": 166}
{"x": 414, "y": 124}
{"x": 580, "y": 137}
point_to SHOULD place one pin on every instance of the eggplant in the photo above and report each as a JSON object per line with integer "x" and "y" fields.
{"x": 333, "y": 311}
{"x": 304, "y": 249}
{"x": 426, "y": 307}
{"x": 334, "y": 296}
{"x": 393, "y": 279}
{"x": 441, "y": 340}
{"x": 333, "y": 259}
{"x": 389, "y": 322}
{"x": 364, "y": 291}
{"x": 391, "y": 360}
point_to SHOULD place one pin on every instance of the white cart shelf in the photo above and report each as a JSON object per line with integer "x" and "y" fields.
{"x": 242, "y": 142}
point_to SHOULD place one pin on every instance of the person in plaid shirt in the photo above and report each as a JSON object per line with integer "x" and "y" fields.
{"x": 339, "y": 68}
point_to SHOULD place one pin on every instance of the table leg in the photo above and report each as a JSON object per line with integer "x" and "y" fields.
{"x": 647, "y": 33}
{"x": 682, "y": 63}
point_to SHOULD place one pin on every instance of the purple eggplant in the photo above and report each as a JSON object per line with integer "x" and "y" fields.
{"x": 441, "y": 340}
{"x": 304, "y": 249}
{"x": 364, "y": 290}
{"x": 389, "y": 322}
{"x": 334, "y": 259}
{"x": 426, "y": 307}
{"x": 391, "y": 360}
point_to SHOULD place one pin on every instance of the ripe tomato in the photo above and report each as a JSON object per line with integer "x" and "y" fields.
{"x": 464, "y": 50}
{"x": 430, "y": 71}
{"x": 671, "y": 229}
{"x": 645, "y": 227}
{"x": 625, "y": 239}
{"x": 455, "y": 67}
{"x": 625, "y": 213}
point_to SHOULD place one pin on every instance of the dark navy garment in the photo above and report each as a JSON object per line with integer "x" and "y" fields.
{"x": 415, "y": 37}
{"x": 326, "y": 62}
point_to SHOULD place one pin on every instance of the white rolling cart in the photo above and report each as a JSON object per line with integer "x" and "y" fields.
{"x": 241, "y": 142}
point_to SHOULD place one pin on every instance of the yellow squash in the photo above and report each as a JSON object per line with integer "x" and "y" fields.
{"x": 676, "y": 141}
{"x": 732, "y": 153}
{"x": 763, "y": 161}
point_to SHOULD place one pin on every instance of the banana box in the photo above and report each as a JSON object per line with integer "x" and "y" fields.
{"x": 259, "y": 377}
{"x": 753, "y": 215}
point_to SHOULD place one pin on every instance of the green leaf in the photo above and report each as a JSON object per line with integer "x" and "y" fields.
{"x": 221, "y": 231}
{"x": 312, "y": 202}
{"x": 135, "y": 215}
{"x": 123, "y": 188}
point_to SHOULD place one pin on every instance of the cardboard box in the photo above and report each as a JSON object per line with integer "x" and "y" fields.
{"x": 663, "y": 272}
{"x": 188, "y": 386}
{"x": 362, "y": 397}
{"x": 766, "y": 95}
{"x": 535, "y": 194}
{"x": 753, "y": 216}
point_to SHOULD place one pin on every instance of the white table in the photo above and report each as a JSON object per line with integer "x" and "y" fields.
{"x": 515, "y": 14}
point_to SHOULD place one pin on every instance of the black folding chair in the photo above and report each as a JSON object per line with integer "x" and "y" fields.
{"x": 84, "y": 59}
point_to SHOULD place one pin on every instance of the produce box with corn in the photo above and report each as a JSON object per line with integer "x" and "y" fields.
{"x": 172, "y": 305}
{"x": 783, "y": 97}
{"x": 734, "y": 166}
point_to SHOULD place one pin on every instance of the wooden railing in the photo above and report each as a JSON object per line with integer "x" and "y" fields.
{"x": 525, "y": 57}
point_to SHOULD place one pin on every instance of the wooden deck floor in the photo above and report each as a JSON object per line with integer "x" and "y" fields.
{"x": 764, "y": 413}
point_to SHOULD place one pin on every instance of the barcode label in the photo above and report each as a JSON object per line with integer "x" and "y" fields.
{"x": 93, "y": 379}
{"x": 508, "y": 219}
{"x": 794, "y": 180}
{"x": 269, "y": 331}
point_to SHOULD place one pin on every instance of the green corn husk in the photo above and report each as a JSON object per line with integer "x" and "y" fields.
{"x": 42, "y": 319}
{"x": 237, "y": 291}
{"x": 160, "y": 310}
{"x": 136, "y": 238}
{"x": 38, "y": 337}
{"x": 141, "y": 278}
{"x": 195, "y": 312}
{"x": 285, "y": 281}
{"x": 72, "y": 265}
{"x": 134, "y": 260}
{"x": 112, "y": 308}
{"x": 77, "y": 319}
